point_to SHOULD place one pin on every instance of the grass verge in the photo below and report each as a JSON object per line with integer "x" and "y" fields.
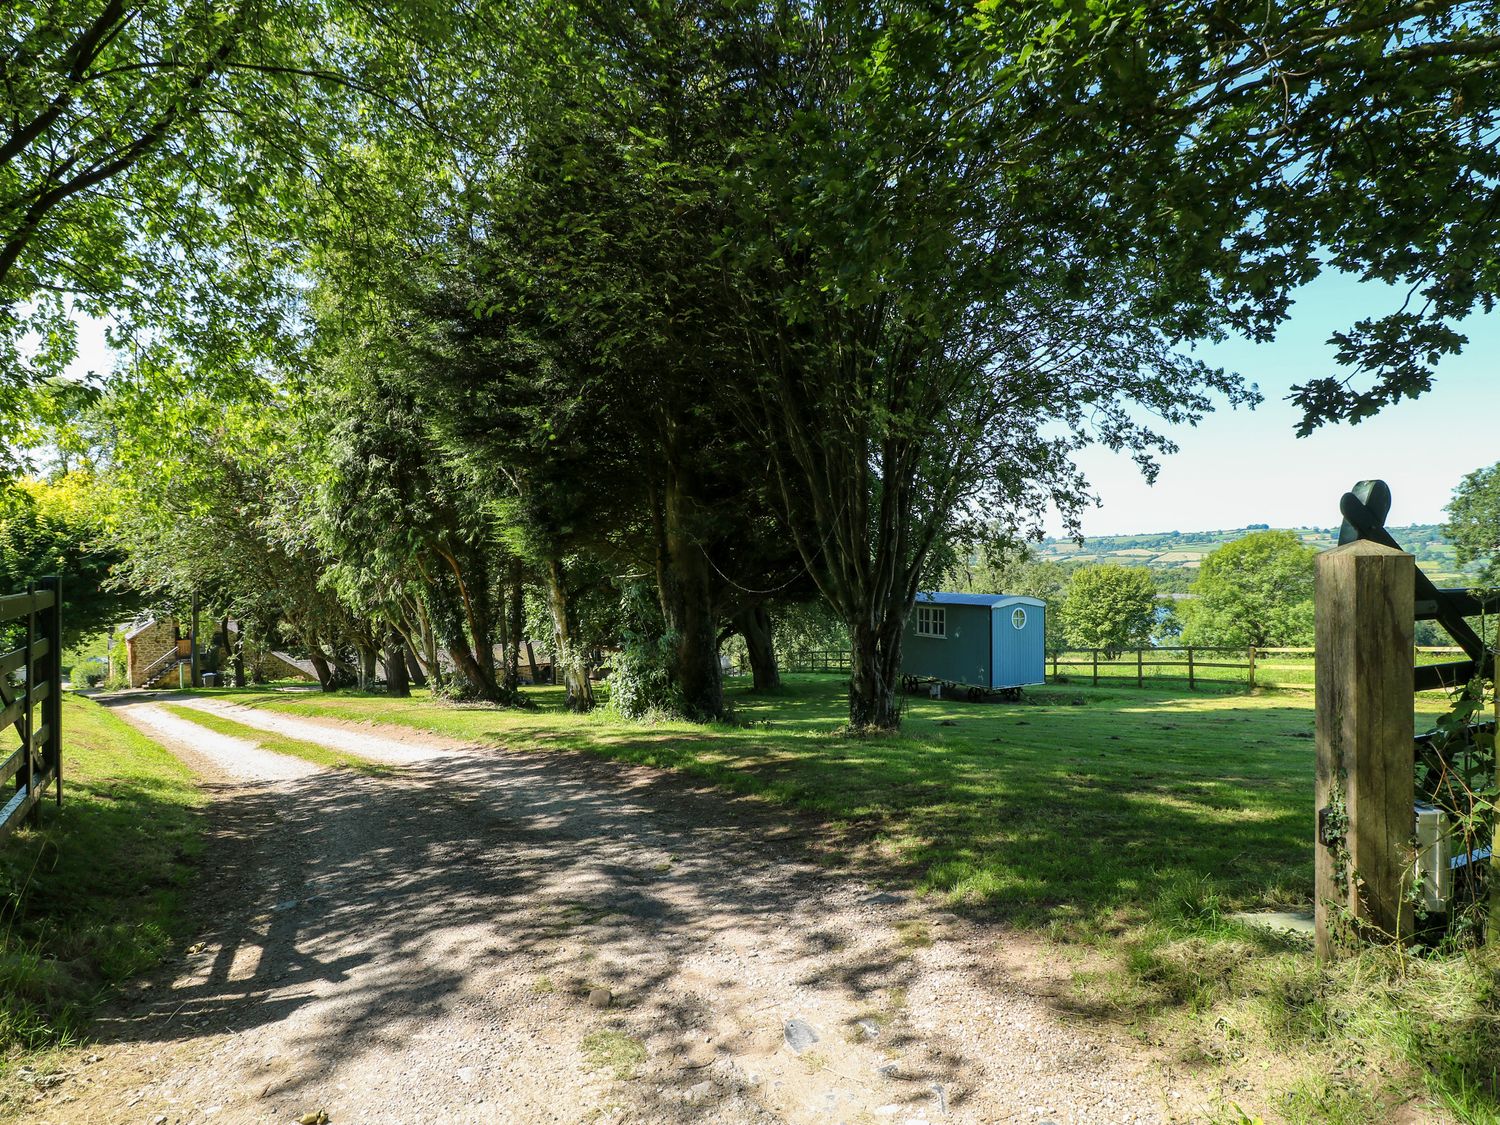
{"x": 97, "y": 894}
{"x": 1122, "y": 824}
{"x": 278, "y": 743}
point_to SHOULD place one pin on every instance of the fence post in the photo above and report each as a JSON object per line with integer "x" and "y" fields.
{"x": 27, "y": 725}
{"x": 1492, "y": 917}
{"x": 1365, "y": 786}
{"x": 1140, "y": 669}
{"x": 1096, "y": 667}
{"x": 1252, "y": 667}
{"x": 1054, "y": 665}
{"x": 1192, "y": 678}
{"x": 53, "y": 752}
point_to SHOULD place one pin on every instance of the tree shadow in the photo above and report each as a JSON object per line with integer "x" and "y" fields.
{"x": 348, "y": 917}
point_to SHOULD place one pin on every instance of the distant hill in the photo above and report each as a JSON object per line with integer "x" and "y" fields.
{"x": 1174, "y": 556}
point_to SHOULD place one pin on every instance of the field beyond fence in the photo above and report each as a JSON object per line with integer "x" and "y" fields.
{"x": 1192, "y": 665}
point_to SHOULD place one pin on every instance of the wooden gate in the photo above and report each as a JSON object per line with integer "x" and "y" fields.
{"x": 31, "y": 697}
{"x": 1370, "y": 594}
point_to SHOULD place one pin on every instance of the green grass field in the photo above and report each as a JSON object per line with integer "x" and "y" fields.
{"x": 99, "y": 893}
{"x": 1119, "y": 824}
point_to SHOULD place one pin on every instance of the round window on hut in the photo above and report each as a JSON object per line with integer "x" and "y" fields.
{"x": 1018, "y": 618}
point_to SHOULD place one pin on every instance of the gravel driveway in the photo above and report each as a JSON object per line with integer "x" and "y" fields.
{"x": 486, "y": 936}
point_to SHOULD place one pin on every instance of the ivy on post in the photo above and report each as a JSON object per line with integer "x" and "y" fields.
{"x": 1364, "y": 670}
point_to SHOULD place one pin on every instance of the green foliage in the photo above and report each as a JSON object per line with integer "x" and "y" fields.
{"x": 96, "y": 897}
{"x": 1109, "y": 607}
{"x": 1257, "y": 590}
{"x": 642, "y": 679}
{"x": 55, "y": 528}
{"x": 799, "y": 627}
{"x": 1474, "y": 523}
{"x": 1254, "y": 146}
{"x": 119, "y": 664}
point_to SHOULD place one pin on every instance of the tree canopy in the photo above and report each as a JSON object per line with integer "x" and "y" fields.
{"x": 1474, "y": 523}
{"x": 1109, "y": 607}
{"x": 452, "y": 326}
{"x": 1257, "y": 590}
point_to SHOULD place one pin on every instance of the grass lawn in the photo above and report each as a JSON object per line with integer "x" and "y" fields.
{"x": 277, "y": 743}
{"x": 1120, "y": 824}
{"x": 98, "y": 894}
{"x": 1071, "y": 810}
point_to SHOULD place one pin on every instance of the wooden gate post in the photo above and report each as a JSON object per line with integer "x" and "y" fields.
{"x": 1096, "y": 667}
{"x": 1365, "y": 787}
{"x": 1140, "y": 669}
{"x": 1252, "y": 667}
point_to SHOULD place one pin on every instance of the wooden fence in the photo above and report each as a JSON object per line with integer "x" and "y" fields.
{"x": 817, "y": 660}
{"x": 1251, "y": 667}
{"x": 31, "y": 698}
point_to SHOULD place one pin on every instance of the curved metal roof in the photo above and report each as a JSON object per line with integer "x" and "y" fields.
{"x": 939, "y": 597}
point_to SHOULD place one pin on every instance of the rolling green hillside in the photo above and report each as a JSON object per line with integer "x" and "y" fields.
{"x": 1176, "y": 555}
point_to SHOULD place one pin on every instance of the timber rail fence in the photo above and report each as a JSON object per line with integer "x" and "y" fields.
{"x": 31, "y": 698}
{"x": 1248, "y": 668}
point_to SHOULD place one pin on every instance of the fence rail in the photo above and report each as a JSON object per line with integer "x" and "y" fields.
{"x": 1251, "y": 667}
{"x": 1256, "y": 666}
{"x": 31, "y": 698}
{"x": 818, "y": 660}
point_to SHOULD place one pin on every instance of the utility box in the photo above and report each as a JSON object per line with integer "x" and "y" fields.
{"x": 1440, "y": 856}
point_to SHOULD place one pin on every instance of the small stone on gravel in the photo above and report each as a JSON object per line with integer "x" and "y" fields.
{"x": 799, "y": 1035}
{"x": 600, "y": 998}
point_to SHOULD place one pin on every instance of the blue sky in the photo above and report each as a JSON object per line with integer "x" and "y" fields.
{"x": 1241, "y": 467}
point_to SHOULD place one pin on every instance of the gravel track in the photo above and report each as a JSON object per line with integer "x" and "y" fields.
{"x": 487, "y": 936}
{"x": 387, "y": 745}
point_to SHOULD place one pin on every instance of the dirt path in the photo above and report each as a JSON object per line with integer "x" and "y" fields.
{"x": 495, "y": 937}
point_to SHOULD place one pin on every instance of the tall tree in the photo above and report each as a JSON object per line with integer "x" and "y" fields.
{"x": 1473, "y": 525}
{"x": 1109, "y": 607}
{"x": 56, "y": 528}
{"x": 1257, "y": 590}
{"x": 933, "y": 324}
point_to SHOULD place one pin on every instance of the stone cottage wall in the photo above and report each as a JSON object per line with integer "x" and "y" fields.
{"x": 148, "y": 645}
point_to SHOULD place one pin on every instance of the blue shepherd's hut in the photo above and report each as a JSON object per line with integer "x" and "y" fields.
{"x": 980, "y": 640}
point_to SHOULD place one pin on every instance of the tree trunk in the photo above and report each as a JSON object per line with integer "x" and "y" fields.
{"x": 686, "y": 586}
{"x": 320, "y": 665}
{"x": 481, "y": 676}
{"x": 874, "y": 675}
{"x": 369, "y": 658}
{"x": 536, "y": 673}
{"x": 396, "y": 682}
{"x": 414, "y": 673}
{"x": 430, "y": 649}
{"x": 514, "y": 622}
{"x": 568, "y": 659}
{"x": 236, "y": 649}
{"x": 754, "y": 624}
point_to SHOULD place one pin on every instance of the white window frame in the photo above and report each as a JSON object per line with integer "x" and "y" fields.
{"x": 1015, "y": 624}
{"x": 932, "y": 621}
